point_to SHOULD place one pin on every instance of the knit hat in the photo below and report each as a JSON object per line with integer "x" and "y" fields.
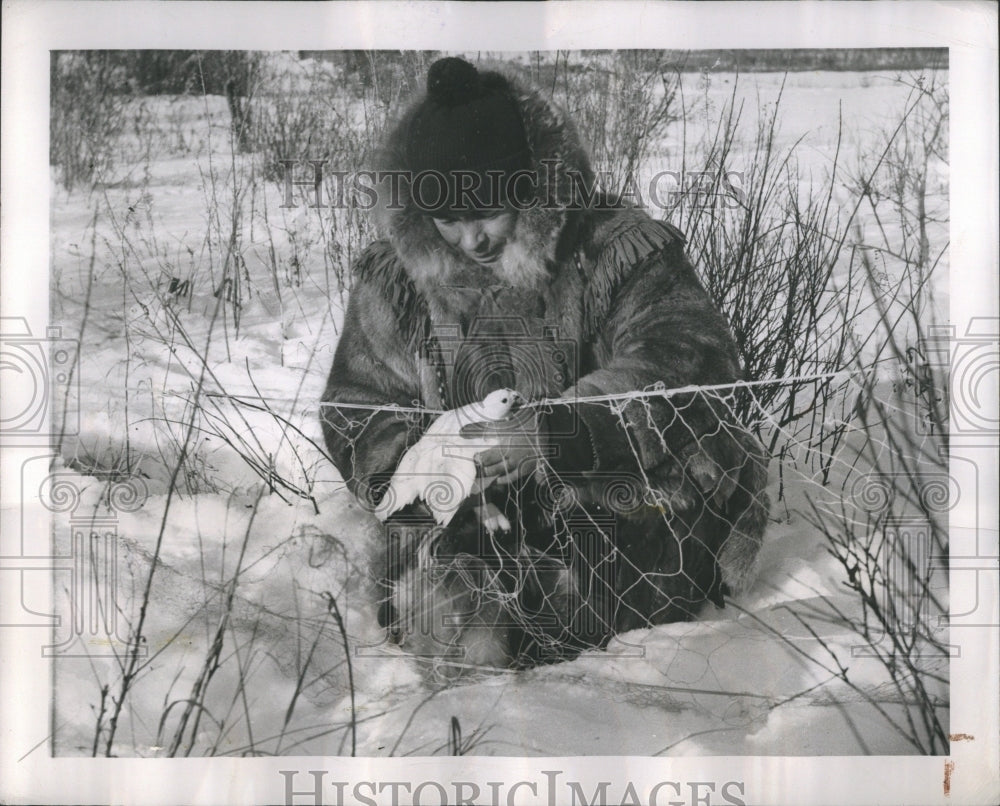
{"x": 467, "y": 122}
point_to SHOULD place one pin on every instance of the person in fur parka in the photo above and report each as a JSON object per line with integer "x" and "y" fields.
{"x": 501, "y": 267}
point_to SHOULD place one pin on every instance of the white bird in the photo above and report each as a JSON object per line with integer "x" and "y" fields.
{"x": 440, "y": 468}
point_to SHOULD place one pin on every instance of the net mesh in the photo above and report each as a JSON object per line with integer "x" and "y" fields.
{"x": 554, "y": 562}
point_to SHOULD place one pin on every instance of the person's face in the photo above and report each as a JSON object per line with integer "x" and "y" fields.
{"x": 480, "y": 237}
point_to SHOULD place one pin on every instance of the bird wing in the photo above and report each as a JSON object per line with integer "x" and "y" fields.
{"x": 403, "y": 488}
{"x": 450, "y": 474}
{"x": 440, "y": 470}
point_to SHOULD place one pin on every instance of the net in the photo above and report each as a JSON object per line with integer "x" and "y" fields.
{"x": 555, "y": 562}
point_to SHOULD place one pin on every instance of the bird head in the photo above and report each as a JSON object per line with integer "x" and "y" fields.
{"x": 498, "y": 405}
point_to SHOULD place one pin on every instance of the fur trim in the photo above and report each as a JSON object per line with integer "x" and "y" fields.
{"x": 557, "y": 155}
{"x": 626, "y": 240}
{"x": 380, "y": 266}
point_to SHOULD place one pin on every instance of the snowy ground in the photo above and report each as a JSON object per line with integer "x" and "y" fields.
{"x": 252, "y": 565}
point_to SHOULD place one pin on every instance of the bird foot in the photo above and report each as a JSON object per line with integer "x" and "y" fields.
{"x": 492, "y": 518}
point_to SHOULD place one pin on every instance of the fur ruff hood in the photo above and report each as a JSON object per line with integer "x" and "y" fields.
{"x": 544, "y": 235}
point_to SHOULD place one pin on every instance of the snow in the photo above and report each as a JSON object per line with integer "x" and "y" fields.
{"x": 747, "y": 679}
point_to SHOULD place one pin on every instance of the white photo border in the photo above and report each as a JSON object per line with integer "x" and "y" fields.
{"x": 969, "y": 30}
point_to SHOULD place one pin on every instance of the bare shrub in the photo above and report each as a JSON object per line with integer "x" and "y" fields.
{"x": 885, "y": 520}
{"x": 890, "y": 530}
{"x": 332, "y": 110}
{"x": 623, "y": 101}
{"x": 89, "y": 95}
{"x": 778, "y": 254}
{"x": 182, "y": 72}
{"x": 296, "y": 116}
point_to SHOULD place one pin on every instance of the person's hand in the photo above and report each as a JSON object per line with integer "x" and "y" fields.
{"x": 517, "y": 448}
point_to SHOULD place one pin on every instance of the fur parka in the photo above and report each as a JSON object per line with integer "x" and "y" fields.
{"x": 591, "y": 300}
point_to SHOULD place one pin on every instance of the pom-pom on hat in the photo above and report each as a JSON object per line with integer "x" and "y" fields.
{"x": 467, "y": 122}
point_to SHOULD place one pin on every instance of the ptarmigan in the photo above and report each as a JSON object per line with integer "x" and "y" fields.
{"x": 440, "y": 469}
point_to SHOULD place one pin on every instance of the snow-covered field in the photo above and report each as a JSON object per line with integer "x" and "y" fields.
{"x": 253, "y": 531}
